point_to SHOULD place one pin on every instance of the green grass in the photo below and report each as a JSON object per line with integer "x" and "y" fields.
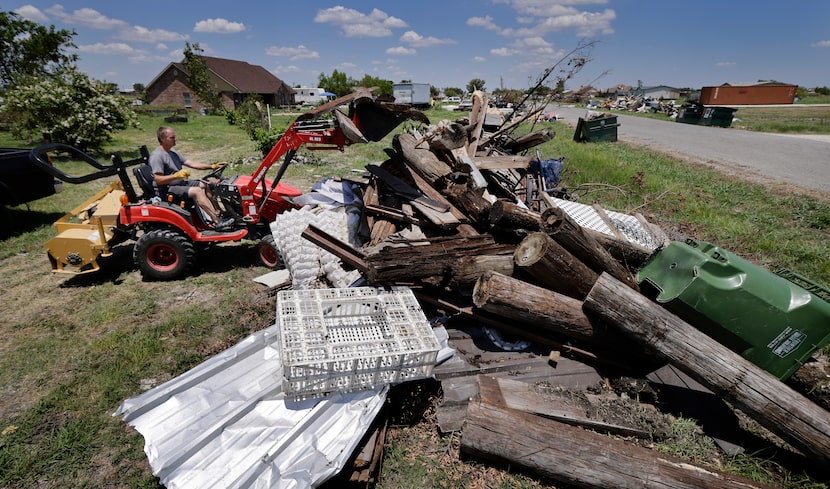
{"x": 73, "y": 349}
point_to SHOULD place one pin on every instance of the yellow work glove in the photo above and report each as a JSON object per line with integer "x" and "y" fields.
{"x": 218, "y": 165}
{"x": 183, "y": 174}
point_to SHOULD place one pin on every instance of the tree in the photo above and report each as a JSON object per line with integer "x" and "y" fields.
{"x": 69, "y": 108}
{"x": 30, "y": 49}
{"x": 384, "y": 86}
{"x": 199, "y": 79}
{"x": 338, "y": 83}
{"x": 453, "y": 92}
{"x": 475, "y": 84}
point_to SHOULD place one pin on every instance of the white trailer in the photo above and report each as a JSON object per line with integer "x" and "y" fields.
{"x": 309, "y": 96}
{"x": 414, "y": 94}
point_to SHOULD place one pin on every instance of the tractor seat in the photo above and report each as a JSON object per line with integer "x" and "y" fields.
{"x": 144, "y": 176}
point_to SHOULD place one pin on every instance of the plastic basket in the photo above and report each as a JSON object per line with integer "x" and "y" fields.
{"x": 351, "y": 339}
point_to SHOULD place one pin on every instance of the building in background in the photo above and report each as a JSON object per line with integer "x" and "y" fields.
{"x": 749, "y": 94}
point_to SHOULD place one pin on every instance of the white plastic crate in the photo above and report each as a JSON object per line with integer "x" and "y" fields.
{"x": 351, "y": 339}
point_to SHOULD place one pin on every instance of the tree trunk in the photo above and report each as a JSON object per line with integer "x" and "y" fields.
{"x": 537, "y": 307}
{"x": 579, "y": 457}
{"x": 422, "y": 160}
{"x": 561, "y": 227}
{"x": 431, "y": 262}
{"x": 468, "y": 269}
{"x": 507, "y": 216}
{"x": 554, "y": 267}
{"x": 761, "y": 396}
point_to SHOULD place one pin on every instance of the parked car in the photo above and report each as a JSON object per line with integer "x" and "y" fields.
{"x": 453, "y": 100}
{"x": 464, "y": 106}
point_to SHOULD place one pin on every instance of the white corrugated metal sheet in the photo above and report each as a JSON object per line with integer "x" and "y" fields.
{"x": 227, "y": 423}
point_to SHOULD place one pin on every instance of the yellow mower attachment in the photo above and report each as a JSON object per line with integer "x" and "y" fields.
{"x": 85, "y": 232}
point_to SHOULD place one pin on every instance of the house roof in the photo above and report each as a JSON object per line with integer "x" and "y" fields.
{"x": 243, "y": 77}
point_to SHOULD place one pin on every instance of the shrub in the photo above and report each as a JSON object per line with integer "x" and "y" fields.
{"x": 68, "y": 108}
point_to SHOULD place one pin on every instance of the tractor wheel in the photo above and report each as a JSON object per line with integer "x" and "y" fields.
{"x": 268, "y": 253}
{"x": 164, "y": 254}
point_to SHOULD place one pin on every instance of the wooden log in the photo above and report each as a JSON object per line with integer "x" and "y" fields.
{"x": 476, "y": 207}
{"x": 521, "y": 301}
{"x": 507, "y": 216}
{"x": 422, "y": 160}
{"x": 758, "y": 394}
{"x": 554, "y": 267}
{"x": 430, "y": 262}
{"x": 468, "y": 269}
{"x": 528, "y": 141}
{"x": 561, "y": 227}
{"x": 631, "y": 255}
{"x": 579, "y": 457}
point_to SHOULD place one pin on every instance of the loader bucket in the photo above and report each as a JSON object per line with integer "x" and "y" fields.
{"x": 377, "y": 119}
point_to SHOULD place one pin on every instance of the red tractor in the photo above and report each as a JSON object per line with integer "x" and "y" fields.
{"x": 167, "y": 234}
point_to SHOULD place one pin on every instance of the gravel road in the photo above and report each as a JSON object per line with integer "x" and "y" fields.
{"x": 802, "y": 161}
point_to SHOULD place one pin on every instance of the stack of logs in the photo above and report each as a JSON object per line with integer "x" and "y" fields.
{"x": 451, "y": 215}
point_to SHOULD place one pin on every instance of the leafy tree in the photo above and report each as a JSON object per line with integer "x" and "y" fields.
{"x": 69, "y": 108}
{"x": 338, "y": 83}
{"x": 453, "y": 92}
{"x": 475, "y": 84}
{"x": 30, "y": 49}
{"x": 384, "y": 86}
{"x": 199, "y": 78}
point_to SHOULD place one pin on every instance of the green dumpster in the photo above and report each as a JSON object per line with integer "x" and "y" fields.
{"x": 689, "y": 113}
{"x": 596, "y": 129}
{"x": 717, "y": 116}
{"x": 768, "y": 318}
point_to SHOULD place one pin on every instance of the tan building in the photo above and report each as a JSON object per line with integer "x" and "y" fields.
{"x": 234, "y": 80}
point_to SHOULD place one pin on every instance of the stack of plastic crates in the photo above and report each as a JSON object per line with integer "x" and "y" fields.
{"x": 351, "y": 339}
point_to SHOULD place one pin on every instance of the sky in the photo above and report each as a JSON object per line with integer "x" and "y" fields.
{"x": 506, "y": 43}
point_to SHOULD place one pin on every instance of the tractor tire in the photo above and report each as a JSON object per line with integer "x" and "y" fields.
{"x": 164, "y": 254}
{"x": 268, "y": 254}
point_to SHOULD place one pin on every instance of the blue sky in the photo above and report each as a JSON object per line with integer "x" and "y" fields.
{"x": 507, "y": 43}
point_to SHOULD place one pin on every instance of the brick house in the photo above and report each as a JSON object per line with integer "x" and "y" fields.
{"x": 234, "y": 80}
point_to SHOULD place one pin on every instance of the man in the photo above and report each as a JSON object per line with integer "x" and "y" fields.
{"x": 170, "y": 176}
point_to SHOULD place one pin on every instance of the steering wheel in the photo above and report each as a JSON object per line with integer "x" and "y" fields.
{"x": 217, "y": 173}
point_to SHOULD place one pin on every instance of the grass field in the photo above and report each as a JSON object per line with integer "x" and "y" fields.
{"x": 73, "y": 348}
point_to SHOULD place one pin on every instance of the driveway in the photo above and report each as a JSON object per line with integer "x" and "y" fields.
{"x": 803, "y": 161}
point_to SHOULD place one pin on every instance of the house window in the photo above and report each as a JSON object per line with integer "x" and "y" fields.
{"x": 186, "y": 96}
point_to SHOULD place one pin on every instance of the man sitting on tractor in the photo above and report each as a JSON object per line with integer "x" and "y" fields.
{"x": 170, "y": 177}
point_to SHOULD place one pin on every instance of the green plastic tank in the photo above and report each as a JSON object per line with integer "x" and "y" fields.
{"x": 769, "y": 319}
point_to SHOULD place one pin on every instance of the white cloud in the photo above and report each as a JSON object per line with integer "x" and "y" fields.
{"x": 86, "y": 17}
{"x": 821, "y": 44}
{"x": 354, "y": 23}
{"x": 414, "y": 39}
{"x": 292, "y": 53}
{"x": 725, "y": 64}
{"x": 479, "y": 59}
{"x": 401, "y": 51}
{"x": 30, "y": 12}
{"x": 218, "y": 26}
{"x": 287, "y": 69}
{"x": 503, "y": 52}
{"x": 485, "y": 22}
{"x": 142, "y": 34}
{"x": 119, "y": 48}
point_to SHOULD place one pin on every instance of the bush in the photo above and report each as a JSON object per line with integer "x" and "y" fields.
{"x": 69, "y": 108}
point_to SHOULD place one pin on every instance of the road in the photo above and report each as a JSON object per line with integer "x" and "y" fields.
{"x": 803, "y": 161}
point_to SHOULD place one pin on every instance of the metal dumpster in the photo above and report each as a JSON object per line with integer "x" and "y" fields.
{"x": 690, "y": 113}
{"x": 767, "y": 318}
{"x": 596, "y": 129}
{"x": 717, "y": 116}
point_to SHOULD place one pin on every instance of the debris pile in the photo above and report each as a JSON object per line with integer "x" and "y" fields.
{"x": 476, "y": 229}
